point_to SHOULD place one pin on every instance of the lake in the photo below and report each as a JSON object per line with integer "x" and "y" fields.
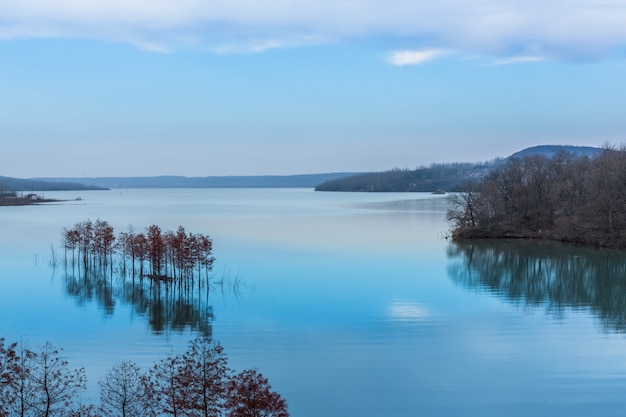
{"x": 352, "y": 304}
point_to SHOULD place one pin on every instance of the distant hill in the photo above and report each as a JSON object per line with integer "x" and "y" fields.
{"x": 9, "y": 184}
{"x": 439, "y": 177}
{"x": 263, "y": 181}
{"x": 550, "y": 150}
{"x": 443, "y": 177}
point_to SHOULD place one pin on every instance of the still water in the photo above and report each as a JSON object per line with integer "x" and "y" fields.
{"x": 351, "y": 304}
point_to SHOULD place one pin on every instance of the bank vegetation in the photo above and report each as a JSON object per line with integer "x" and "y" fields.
{"x": 566, "y": 197}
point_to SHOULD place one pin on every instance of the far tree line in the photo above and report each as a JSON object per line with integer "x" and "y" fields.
{"x": 566, "y": 197}
{"x": 170, "y": 254}
{"x": 197, "y": 382}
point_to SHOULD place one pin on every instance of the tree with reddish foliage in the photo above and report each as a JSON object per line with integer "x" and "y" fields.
{"x": 156, "y": 249}
{"x": 85, "y": 233}
{"x": 8, "y": 372}
{"x": 71, "y": 242}
{"x": 204, "y": 374}
{"x": 197, "y": 383}
{"x": 39, "y": 384}
{"x": 250, "y": 395}
{"x": 173, "y": 255}
{"x": 103, "y": 240}
{"x": 181, "y": 252}
{"x": 164, "y": 389}
{"x": 140, "y": 249}
{"x": 205, "y": 253}
{"x": 20, "y": 390}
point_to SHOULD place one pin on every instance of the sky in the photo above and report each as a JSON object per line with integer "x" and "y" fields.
{"x": 238, "y": 87}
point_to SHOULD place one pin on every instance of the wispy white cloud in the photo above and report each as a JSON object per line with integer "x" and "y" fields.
{"x": 496, "y": 28}
{"x": 417, "y": 57}
{"x": 519, "y": 60}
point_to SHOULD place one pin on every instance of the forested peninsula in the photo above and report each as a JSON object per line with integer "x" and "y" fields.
{"x": 566, "y": 197}
{"x": 442, "y": 177}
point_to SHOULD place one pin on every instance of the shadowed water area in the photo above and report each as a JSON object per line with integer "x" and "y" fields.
{"x": 351, "y": 304}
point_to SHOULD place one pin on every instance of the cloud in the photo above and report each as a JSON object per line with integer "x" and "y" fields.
{"x": 519, "y": 59}
{"x": 497, "y": 28}
{"x": 403, "y": 58}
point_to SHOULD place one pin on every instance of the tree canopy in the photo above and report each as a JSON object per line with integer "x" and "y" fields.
{"x": 565, "y": 197}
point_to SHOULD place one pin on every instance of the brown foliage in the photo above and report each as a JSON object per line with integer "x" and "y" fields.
{"x": 195, "y": 383}
{"x": 250, "y": 395}
{"x": 565, "y": 197}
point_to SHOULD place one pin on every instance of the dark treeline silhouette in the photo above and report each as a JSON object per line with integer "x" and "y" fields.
{"x": 167, "y": 255}
{"x": 197, "y": 382}
{"x": 8, "y": 184}
{"x": 566, "y": 197}
{"x": 554, "y": 275}
{"x": 444, "y": 177}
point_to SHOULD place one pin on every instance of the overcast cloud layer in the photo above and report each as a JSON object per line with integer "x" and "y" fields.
{"x": 504, "y": 29}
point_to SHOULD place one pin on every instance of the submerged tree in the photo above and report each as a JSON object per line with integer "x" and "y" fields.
{"x": 169, "y": 255}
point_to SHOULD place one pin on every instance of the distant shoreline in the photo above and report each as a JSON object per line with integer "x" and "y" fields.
{"x": 26, "y": 201}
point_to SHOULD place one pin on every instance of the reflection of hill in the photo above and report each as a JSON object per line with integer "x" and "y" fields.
{"x": 546, "y": 273}
{"x": 166, "y": 305}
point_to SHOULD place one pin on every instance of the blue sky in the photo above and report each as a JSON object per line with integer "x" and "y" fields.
{"x": 197, "y": 88}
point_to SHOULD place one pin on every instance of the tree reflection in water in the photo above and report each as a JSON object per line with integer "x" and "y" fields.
{"x": 550, "y": 274}
{"x": 168, "y": 305}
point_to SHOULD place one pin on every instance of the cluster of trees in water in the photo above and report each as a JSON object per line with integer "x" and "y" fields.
{"x": 166, "y": 255}
{"x": 177, "y": 264}
{"x": 565, "y": 197}
{"x": 197, "y": 382}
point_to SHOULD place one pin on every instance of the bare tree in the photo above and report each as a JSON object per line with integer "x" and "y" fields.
{"x": 464, "y": 205}
{"x": 122, "y": 391}
{"x": 55, "y": 384}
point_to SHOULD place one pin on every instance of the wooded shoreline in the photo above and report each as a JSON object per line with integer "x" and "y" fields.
{"x": 26, "y": 200}
{"x": 575, "y": 199}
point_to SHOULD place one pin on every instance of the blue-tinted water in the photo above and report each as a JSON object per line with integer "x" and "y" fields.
{"x": 351, "y": 304}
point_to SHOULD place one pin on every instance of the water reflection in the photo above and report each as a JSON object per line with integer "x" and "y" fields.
{"x": 548, "y": 274}
{"x": 167, "y": 306}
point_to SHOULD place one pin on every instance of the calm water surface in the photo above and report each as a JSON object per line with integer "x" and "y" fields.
{"x": 351, "y": 304}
